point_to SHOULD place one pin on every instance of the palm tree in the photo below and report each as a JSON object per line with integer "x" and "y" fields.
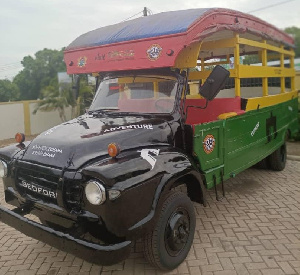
{"x": 57, "y": 100}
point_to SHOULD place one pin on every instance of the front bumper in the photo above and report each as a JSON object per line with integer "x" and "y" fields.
{"x": 89, "y": 251}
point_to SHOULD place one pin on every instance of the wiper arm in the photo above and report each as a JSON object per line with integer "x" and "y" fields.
{"x": 102, "y": 111}
{"x": 97, "y": 112}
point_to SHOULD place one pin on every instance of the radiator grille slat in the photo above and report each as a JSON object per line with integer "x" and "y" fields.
{"x": 38, "y": 185}
{"x": 42, "y": 186}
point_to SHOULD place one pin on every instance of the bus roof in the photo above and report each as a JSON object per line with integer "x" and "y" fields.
{"x": 156, "y": 41}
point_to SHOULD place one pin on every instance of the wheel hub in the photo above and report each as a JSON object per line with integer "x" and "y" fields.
{"x": 177, "y": 232}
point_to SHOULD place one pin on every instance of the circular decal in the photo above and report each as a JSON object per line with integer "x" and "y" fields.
{"x": 81, "y": 61}
{"x": 154, "y": 52}
{"x": 209, "y": 143}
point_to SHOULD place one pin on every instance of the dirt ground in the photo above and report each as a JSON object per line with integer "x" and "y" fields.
{"x": 293, "y": 147}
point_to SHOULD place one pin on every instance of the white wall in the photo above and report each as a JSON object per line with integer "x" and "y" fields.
{"x": 15, "y": 117}
{"x": 11, "y": 119}
{"x": 42, "y": 121}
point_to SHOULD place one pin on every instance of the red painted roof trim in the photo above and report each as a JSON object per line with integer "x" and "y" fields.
{"x": 132, "y": 55}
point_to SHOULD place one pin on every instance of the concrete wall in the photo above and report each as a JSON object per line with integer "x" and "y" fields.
{"x": 17, "y": 117}
{"x": 11, "y": 119}
{"x": 42, "y": 121}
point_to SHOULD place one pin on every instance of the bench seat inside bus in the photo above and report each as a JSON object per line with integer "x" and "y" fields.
{"x": 214, "y": 109}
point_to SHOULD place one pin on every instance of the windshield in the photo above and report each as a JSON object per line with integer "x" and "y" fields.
{"x": 138, "y": 94}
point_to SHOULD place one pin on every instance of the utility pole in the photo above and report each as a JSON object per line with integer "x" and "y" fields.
{"x": 145, "y": 11}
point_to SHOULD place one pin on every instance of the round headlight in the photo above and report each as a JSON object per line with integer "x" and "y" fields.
{"x": 3, "y": 169}
{"x": 95, "y": 192}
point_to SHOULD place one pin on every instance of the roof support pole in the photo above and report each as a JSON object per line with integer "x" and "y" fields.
{"x": 264, "y": 60}
{"x": 202, "y": 70}
{"x": 282, "y": 79}
{"x": 237, "y": 80}
{"x": 292, "y": 66}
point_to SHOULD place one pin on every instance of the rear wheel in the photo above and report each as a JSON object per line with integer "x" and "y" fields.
{"x": 263, "y": 164}
{"x": 168, "y": 244}
{"x": 277, "y": 159}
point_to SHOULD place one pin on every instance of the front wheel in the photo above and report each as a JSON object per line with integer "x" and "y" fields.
{"x": 168, "y": 244}
{"x": 277, "y": 159}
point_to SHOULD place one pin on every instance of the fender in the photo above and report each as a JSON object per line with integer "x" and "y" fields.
{"x": 152, "y": 171}
{"x": 9, "y": 152}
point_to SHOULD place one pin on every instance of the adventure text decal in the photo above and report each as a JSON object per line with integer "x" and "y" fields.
{"x": 134, "y": 126}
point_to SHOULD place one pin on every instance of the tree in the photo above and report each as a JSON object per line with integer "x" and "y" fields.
{"x": 8, "y": 91}
{"x": 86, "y": 94}
{"x": 295, "y": 32}
{"x": 56, "y": 99}
{"x": 251, "y": 59}
{"x": 39, "y": 72}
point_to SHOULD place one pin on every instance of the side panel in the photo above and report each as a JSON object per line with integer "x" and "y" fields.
{"x": 241, "y": 141}
{"x": 255, "y": 135}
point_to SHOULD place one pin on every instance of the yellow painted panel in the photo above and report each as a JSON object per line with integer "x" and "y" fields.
{"x": 247, "y": 71}
{"x": 265, "y": 46}
{"x": 203, "y": 75}
{"x": 227, "y": 115}
{"x": 217, "y": 44}
{"x": 193, "y": 96}
{"x": 297, "y": 81}
{"x": 270, "y": 100}
{"x": 188, "y": 57}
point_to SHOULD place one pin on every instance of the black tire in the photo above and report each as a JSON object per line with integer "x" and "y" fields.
{"x": 277, "y": 159}
{"x": 263, "y": 164}
{"x": 168, "y": 244}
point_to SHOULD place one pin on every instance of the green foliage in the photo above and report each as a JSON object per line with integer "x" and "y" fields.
{"x": 55, "y": 98}
{"x": 251, "y": 59}
{"x": 8, "y": 91}
{"x": 39, "y": 72}
{"x": 86, "y": 95}
{"x": 295, "y": 32}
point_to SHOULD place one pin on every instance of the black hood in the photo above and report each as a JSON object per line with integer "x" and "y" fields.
{"x": 75, "y": 142}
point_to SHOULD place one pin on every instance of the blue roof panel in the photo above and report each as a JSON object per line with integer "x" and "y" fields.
{"x": 165, "y": 23}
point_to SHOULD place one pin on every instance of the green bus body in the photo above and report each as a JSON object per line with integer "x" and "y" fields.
{"x": 242, "y": 141}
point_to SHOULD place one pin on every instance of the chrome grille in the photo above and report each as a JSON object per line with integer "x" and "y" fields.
{"x": 37, "y": 184}
{"x": 47, "y": 180}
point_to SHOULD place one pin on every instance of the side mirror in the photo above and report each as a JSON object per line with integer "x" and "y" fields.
{"x": 214, "y": 83}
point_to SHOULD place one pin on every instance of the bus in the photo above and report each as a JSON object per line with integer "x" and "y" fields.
{"x": 175, "y": 109}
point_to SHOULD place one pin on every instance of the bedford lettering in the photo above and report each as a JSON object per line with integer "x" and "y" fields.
{"x": 38, "y": 189}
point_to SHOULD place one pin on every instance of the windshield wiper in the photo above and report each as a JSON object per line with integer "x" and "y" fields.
{"x": 102, "y": 111}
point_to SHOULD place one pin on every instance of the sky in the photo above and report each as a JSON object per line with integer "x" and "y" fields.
{"x": 27, "y": 26}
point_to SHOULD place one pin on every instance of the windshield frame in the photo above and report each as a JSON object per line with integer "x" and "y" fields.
{"x": 148, "y": 74}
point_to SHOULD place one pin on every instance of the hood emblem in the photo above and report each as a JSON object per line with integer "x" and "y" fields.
{"x": 148, "y": 155}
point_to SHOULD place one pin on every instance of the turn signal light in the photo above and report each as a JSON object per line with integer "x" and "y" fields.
{"x": 20, "y": 137}
{"x": 113, "y": 150}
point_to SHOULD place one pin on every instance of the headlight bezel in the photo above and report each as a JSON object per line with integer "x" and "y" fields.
{"x": 95, "y": 192}
{"x": 3, "y": 169}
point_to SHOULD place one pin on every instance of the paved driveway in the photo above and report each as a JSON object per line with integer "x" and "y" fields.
{"x": 254, "y": 230}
